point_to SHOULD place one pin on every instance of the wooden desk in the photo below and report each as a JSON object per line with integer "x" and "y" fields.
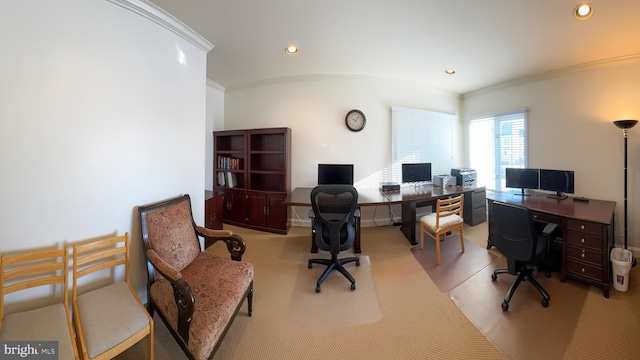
{"x": 587, "y": 230}
{"x": 409, "y": 197}
{"x": 366, "y": 197}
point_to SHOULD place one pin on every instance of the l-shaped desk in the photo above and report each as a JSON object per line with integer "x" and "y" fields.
{"x": 410, "y": 197}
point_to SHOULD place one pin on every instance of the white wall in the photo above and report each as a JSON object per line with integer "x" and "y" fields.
{"x": 315, "y": 107}
{"x": 571, "y": 127}
{"x": 214, "y": 122}
{"x": 101, "y": 110}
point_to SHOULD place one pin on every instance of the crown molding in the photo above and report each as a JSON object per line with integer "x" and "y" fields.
{"x": 330, "y": 77}
{"x": 215, "y": 85}
{"x": 166, "y": 20}
{"x": 593, "y": 65}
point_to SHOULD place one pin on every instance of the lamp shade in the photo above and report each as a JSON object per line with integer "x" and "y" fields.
{"x": 625, "y": 124}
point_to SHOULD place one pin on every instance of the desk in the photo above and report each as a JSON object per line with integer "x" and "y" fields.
{"x": 587, "y": 233}
{"x": 409, "y": 197}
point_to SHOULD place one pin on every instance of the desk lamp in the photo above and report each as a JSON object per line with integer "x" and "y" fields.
{"x": 625, "y": 125}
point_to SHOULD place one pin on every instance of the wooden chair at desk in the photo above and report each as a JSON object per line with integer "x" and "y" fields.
{"x": 446, "y": 217}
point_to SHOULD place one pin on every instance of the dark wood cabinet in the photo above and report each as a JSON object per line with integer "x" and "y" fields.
{"x": 213, "y": 209}
{"x": 253, "y": 170}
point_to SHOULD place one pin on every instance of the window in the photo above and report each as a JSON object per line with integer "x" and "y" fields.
{"x": 497, "y": 142}
{"x": 419, "y": 136}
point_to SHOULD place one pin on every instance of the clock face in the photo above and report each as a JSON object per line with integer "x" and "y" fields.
{"x": 355, "y": 120}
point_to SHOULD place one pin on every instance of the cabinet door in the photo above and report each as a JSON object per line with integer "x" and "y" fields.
{"x": 235, "y": 206}
{"x": 277, "y": 213}
{"x": 256, "y": 208}
{"x": 213, "y": 212}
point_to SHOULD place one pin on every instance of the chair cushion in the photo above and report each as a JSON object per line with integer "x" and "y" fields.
{"x": 218, "y": 284}
{"x": 48, "y": 323}
{"x": 430, "y": 221}
{"x": 109, "y": 316}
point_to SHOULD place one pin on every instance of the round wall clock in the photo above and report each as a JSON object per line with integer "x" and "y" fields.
{"x": 355, "y": 120}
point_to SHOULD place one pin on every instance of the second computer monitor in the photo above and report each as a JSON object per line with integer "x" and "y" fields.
{"x": 416, "y": 172}
{"x": 335, "y": 174}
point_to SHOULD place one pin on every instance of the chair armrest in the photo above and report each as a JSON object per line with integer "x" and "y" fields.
{"x": 549, "y": 229}
{"x": 235, "y": 243}
{"x": 182, "y": 293}
{"x": 357, "y": 213}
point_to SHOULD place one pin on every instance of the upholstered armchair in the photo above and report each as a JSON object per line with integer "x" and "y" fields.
{"x": 197, "y": 294}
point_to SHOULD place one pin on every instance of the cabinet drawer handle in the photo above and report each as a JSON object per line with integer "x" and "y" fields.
{"x": 583, "y": 254}
{"x": 583, "y": 270}
{"x": 582, "y": 240}
{"x": 582, "y": 227}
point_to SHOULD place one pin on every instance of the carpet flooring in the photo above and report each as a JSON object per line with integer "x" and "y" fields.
{"x": 419, "y": 321}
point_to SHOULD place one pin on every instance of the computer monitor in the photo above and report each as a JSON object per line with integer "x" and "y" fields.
{"x": 560, "y": 181}
{"x": 416, "y": 172}
{"x": 335, "y": 174}
{"x": 522, "y": 178}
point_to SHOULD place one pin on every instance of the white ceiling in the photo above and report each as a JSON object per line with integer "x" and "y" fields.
{"x": 487, "y": 42}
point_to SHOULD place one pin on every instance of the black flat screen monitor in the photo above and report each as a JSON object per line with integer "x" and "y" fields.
{"x": 335, "y": 174}
{"x": 522, "y": 178}
{"x": 417, "y": 172}
{"x": 560, "y": 181}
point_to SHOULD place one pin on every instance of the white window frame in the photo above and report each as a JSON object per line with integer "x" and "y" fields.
{"x": 496, "y": 142}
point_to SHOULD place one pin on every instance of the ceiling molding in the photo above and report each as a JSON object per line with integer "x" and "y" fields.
{"x": 594, "y": 65}
{"x": 215, "y": 85}
{"x": 329, "y": 77}
{"x": 166, "y": 20}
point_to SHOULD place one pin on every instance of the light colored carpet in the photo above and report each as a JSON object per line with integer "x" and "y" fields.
{"x": 418, "y": 320}
{"x": 336, "y": 304}
{"x": 455, "y": 266}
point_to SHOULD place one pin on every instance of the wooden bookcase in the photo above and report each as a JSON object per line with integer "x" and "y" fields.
{"x": 253, "y": 170}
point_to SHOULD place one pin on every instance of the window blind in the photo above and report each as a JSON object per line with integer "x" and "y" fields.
{"x": 497, "y": 142}
{"x": 422, "y": 136}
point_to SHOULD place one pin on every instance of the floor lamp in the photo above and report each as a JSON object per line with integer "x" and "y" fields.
{"x": 625, "y": 125}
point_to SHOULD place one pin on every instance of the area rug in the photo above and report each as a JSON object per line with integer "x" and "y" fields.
{"x": 336, "y": 304}
{"x": 527, "y": 330}
{"x": 455, "y": 266}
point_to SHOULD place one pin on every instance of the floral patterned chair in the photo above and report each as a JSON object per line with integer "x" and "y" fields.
{"x": 197, "y": 294}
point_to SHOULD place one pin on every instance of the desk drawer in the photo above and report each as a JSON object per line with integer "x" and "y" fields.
{"x": 590, "y": 256}
{"x": 585, "y": 240}
{"x": 537, "y": 216}
{"x": 584, "y": 270}
{"x": 585, "y": 226}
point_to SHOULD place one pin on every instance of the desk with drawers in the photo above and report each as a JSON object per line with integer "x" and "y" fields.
{"x": 586, "y": 229}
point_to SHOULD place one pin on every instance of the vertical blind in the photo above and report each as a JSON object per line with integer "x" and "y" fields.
{"x": 497, "y": 142}
{"x": 419, "y": 136}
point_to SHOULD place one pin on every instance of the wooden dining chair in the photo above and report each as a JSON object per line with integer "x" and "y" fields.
{"x": 42, "y": 269}
{"x": 110, "y": 318}
{"x": 446, "y": 218}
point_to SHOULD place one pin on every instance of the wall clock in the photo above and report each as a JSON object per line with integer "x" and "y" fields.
{"x": 355, "y": 120}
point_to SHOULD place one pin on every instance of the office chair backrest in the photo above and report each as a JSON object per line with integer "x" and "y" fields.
{"x": 515, "y": 233}
{"x": 334, "y": 208}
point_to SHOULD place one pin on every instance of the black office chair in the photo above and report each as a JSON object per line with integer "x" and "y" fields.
{"x": 333, "y": 220}
{"x": 517, "y": 238}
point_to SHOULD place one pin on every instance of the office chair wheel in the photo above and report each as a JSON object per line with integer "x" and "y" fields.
{"x": 505, "y": 306}
{"x": 353, "y": 287}
{"x": 357, "y": 264}
{"x": 494, "y": 277}
{"x": 309, "y": 266}
{"x": 317, "y": 289}
{"x": 545, "y": 303}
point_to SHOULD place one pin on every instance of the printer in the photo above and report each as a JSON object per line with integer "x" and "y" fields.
{"x": 465, "y": 176}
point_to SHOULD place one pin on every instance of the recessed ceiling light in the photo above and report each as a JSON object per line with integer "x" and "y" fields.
{"x": 583, "y": 11}
{"x": 291, "y": 50}
{"x": 450, "y": 71}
